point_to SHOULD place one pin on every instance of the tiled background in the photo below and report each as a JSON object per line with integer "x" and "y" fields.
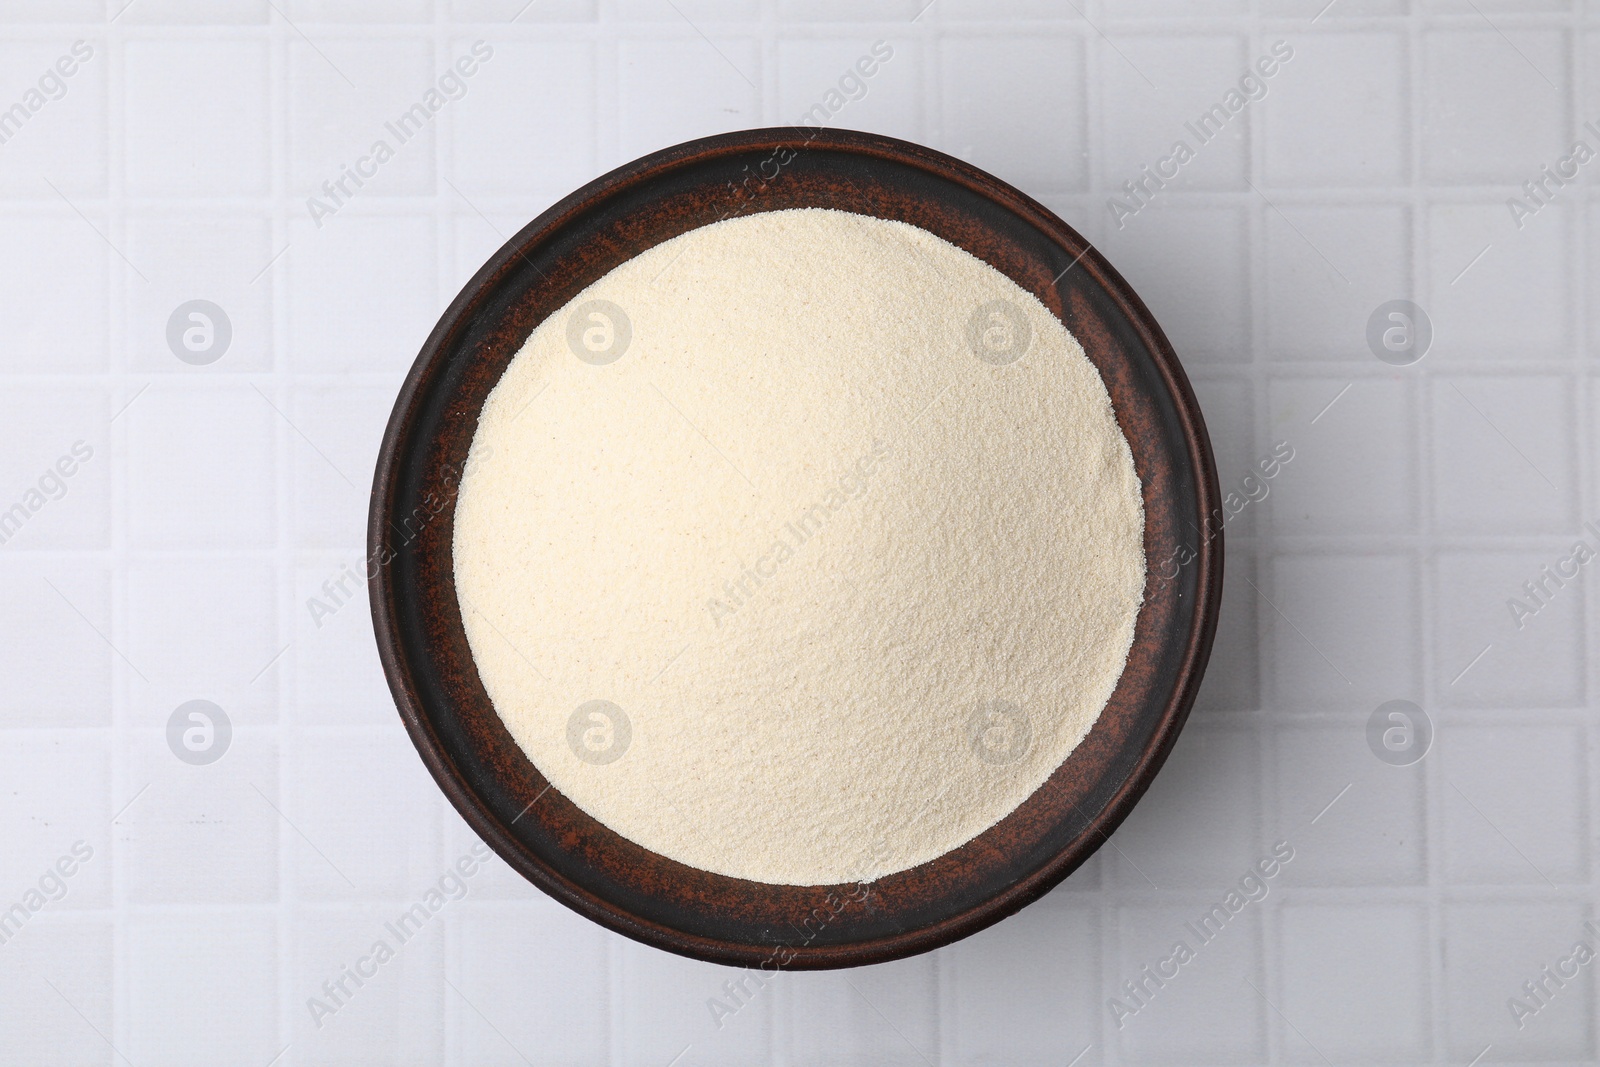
{"x": 219, "y": 498}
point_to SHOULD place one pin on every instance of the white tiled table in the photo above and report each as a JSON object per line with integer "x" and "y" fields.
{"x": 218, "y": 499}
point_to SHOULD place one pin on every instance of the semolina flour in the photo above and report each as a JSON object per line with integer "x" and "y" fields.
{"x": 800, "y": 548}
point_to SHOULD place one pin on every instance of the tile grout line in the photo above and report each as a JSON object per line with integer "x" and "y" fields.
{"x": 1420, "y": 399}
{"x": 280, "y": 121}
{"x": 1585, "y": 469}
{"x": 1266, "y": 963}
{"x": 119, "y": 377}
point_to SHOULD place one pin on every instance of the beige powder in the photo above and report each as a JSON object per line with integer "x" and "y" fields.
{"x": 807, "y": 554}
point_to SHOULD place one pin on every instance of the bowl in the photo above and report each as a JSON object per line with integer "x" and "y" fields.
{"x": 646, "y": 896}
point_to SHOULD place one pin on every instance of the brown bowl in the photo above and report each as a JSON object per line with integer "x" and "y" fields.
{"x": 622, "y": 885}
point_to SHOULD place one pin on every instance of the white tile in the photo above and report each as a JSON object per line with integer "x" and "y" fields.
{"x": 858, "y": 83}
{"x": 195, "y": 117}
{"x": 1353, "y": 469}
{"x": 1202, "y": 1013}
{"x": 363, "y": 10}
{"x": 1161, "y": 8}
{"x": 998, "y": 92}
{"x": 202, "y": 988}
{"x": 1344, "y": 9}
{"x": 55, "y": 465}
{"x": 1504, "y": 455}
{"x": 560, "y": 1016}
{"x": 1515, "y": 805}
{"x": 1497, "y": 292}
{"x": 338, "y": 680}
{"x": 1347, "y": 635}
{"x": 527, "y": 123}
{"x": 1500, "y": 645}
{"x": 219, "y": 258}
{"x": 54, "y": 287}
{"x": 1156, "y": 94}
{"x": 1594, "y": 420}
{"x": 1497, "y": 947}
{"x": 994, "y": 10}
{"x": 1494, "y": 106}
{"x": 1042, "y": 965}
{"x": 694, "y": 11}
{"x": 1519, "y": 6}
{"x": 843, "y": 10}
{"x": 45, "y": 1025}
{"x": 1328, "y": 269}
{"x": 495, "y": 880}
{"x": 225, "y": 12}
{"x": 1337, "y": 113}
{"x": 204, "y": 630}
{"x": 350, "y": 96}
{"x": 1359, "y": 961}
{"x": 673, "y": 91}
{"x": 201, "y": 469}
{"x": 362, "y": 292}
{"x": 396, "y": 1013}
{"x": 1199, "y": 823}
{"x": 1592, "y": 290}
{"x": 665, "y": 1000}
{"x": 1190, "y": 266}
{"x": 1374, "y": 833}
{"x": 1586, "y": 56}
{"x": 373, "y": 811}
{"x": 476, "y": 237}
{"x": 53, "y": 645}
{"x": 203, "y": 834}
{"x": 57, "y": 807}
{"x": 1087, "y": 879}
{"x": 333, "y": 462}
{"x": 1233, "y": 676}
{"x": 59, "y": 135}
{"x": 56, "y": 10}
{"x": 500, "y": 11}
{"x": 888, "y": 1014}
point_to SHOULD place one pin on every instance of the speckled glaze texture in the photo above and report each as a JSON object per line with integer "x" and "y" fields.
{"x": 617, "y": 883}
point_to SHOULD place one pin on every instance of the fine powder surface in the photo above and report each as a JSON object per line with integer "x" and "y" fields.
{"x": 800, "y": 548}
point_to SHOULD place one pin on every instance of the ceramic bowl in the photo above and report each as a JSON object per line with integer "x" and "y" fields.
{"x": 620, "y": 884}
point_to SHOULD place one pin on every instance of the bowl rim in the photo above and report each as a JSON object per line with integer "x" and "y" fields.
{"x": 1201, "y": 617}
